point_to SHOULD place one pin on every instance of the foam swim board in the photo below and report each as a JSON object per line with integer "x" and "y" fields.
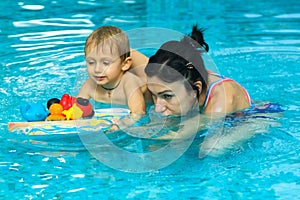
{"x": 102, "y": 119}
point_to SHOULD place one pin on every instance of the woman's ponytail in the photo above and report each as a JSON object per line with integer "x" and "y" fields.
{"x": 197, "y": 35}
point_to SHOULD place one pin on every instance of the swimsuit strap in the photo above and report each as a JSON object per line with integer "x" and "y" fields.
{"x": 216, "y": 74}
{"x": 212, "y": 87}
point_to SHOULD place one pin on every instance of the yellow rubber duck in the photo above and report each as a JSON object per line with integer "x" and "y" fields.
{"x": 73, "y": 113}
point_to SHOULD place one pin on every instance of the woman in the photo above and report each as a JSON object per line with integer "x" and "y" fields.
{"x": 181, "y": 86}
{"x": 179, "y": 63}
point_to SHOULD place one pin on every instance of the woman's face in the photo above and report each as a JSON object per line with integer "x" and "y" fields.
{"x": 171, "y": 98}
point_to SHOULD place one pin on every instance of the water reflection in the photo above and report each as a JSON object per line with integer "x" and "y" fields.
{"x": 55, "y": 22}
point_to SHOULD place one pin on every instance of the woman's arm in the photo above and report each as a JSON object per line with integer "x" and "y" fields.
{"x": 138, "y": 59}
{"x": 187, "y": 128}
{"x": 220, "y": 139}
{"x": 139, "y": 62}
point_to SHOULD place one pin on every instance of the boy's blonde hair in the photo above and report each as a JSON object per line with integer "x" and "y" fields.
{"x": 112, "y": 36}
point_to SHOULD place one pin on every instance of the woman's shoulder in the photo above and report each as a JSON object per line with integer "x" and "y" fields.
{"x": 129, "y": 77}
{"x": 228, "y": 88}
{"x": 227, "y": 94}
{"x": 220, "y": 83}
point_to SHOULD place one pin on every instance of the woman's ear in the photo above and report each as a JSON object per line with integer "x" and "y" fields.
{"x": 198, "y": 85}
{"x": 126, "y": 64}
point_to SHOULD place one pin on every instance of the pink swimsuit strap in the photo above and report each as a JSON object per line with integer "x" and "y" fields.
{"x": 213, "y": 86}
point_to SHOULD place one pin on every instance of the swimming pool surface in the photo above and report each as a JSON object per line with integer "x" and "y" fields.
{"x": 256, "y": 43}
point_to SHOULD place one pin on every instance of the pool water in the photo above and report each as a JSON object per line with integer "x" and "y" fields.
{"x": 256, "y": 43}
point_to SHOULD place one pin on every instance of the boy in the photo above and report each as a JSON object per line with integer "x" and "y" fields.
{"x": 107, "y": 55}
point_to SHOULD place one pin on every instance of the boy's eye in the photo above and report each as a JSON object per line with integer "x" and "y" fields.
{"x": 106, "y": 62}
{"x": 90, "y": 62}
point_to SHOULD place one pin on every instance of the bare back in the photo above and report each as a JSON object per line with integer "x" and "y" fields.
{"x": 225, "y": 96}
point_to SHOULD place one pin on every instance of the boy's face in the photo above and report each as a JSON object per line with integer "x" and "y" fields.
{"x": 104, "y": 65}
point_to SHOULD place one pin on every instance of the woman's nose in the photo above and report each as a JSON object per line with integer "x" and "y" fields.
{"x": 159, "y": 106}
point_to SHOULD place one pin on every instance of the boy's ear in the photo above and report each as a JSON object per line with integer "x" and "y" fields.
{"x": 126, "y": 64}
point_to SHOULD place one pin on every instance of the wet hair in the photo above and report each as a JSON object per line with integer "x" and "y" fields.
{"x": 111, "y": 36}
{"x": 183, "y": 57}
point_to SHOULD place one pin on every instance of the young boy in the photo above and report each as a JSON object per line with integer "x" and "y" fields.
{"x": 107, "y": 55}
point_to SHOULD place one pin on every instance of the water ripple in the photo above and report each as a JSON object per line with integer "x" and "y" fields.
{"x": 89, "y": 3}
{"x": 51, "y": 35}
{"x": 262, "y": 49}
{"x": 121, "y": 19}
{"x": 33, "y": 7}
{"x": 282, "y": 31}
{"x": 42, "y": 47}
{"x": 289, "y": 16}
{"x": 55, "y": 22}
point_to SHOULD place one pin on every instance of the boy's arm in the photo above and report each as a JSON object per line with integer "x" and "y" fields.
{"x": 84, "y": 91}
{"x": 135, "y": 98}
{"x": 135, "y": 102}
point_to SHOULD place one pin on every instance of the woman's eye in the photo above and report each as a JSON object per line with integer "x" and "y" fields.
{"x": 168, "y": 96}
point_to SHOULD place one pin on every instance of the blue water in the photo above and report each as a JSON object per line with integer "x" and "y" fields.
{"x": 256, "y": 43}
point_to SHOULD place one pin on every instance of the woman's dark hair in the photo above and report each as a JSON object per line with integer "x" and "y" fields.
{"x": 183, "y": 56}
